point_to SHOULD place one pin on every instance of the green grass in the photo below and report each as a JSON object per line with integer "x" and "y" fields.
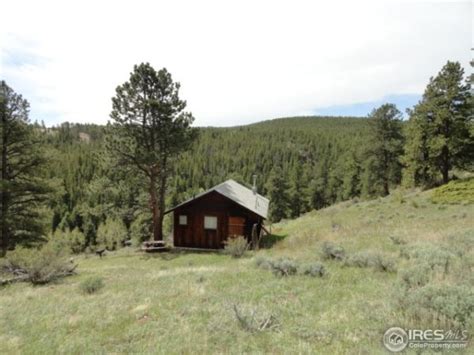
{"x": 183, "y": 302}
{"x": 455, "y": 192}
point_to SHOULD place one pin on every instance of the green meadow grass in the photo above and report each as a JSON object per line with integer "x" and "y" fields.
{"x": 183, "y": 302}
{"x": 459, "y": 191}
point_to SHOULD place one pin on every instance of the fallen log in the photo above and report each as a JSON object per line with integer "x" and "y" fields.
{"x": 22, "y": 275}
{"x": 13, "y": 280}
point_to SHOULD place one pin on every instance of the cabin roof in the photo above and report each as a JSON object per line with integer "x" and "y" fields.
{"x": 238, "y": 193}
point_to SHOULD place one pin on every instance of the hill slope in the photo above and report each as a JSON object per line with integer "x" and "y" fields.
{"x": 320, "y": 158}
{"x": 187, "y": 302}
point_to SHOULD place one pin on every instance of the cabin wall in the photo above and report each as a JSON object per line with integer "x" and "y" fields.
{"x": 231, "y": 219}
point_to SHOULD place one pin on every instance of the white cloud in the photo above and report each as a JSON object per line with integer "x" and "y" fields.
{"x": 237, "y": 61}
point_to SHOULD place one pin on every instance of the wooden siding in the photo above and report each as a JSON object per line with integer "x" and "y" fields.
{"x": 232, "y": 219}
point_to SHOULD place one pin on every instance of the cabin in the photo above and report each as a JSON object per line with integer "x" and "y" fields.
{"x": 225, "y": 210}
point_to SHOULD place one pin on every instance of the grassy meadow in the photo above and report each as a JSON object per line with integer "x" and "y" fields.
{"x": 181, "y": 302}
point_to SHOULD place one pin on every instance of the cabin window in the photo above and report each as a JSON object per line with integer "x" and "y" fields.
{"x": 183, "y": 220}
{"x": 210, "y": 222}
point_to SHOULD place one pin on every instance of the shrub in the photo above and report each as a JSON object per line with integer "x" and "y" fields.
{"x": 111, "y": 234}
{"x": 361, "y": 259}
{"x": 288, "y": 267}
{"x": 441, "y": 303}
{"x": 284, "y": 267}
{"x": 38, "y": 266}
{"x": 69, "y": 241}
{"x": 91, "y": 285}
{"x": 398, "y": 197}
{"x": 384, "y": 263}
{"x": 236, "y": 246}
{"x": 365, "y": 259}
{"x": 263, "y": 262}
{"x": 397, "y": 240}
{"x": 332, "y": 251}
{"x": 252, "y": 321}
{"x": 431, "y": 255}
{"x": 140, "y": 229}
{"x": 416, "y": 276}
{"x": 313, "y": 269}
{"x": 461, "y": 244}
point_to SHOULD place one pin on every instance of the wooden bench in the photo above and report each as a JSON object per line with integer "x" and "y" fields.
{"x": 154, "y": 246}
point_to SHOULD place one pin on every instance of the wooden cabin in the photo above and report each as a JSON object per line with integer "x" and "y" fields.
{"x": 208, "y": 219}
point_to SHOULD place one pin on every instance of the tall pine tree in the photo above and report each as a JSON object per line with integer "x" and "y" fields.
{"x": 21, "y": 188}
{"x": 297, "y": 184}
{"x": 438, "y": 136}
{"x": 150, "y": 129}
{"x": 277, "y": 188}
{"x": 382, "y": 166}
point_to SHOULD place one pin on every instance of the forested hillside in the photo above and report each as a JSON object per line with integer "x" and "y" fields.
{"x": 320, "y": 160}
{"x": 90, "y": 185}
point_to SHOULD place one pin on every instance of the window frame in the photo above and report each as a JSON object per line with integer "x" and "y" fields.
{"x": 216, "y": 223}
{"x": 180, "y": 221}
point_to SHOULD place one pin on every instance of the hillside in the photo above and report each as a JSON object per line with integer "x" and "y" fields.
{"x": 187, "y": 302}
{"x": 320, "y": 158}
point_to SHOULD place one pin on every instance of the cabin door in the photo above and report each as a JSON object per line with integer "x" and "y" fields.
{"x": 211, "y": 232}
{"x": 236, "y": 226}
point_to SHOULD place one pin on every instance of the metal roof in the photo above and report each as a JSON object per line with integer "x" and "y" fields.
{"x": 238, "y": 193}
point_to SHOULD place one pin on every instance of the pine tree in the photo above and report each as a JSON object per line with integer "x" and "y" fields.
{"x": 150, "y": 129}
{"x": 351, "y": 180}
{"x": 277, "y": 188}
{"x": 297, "y": 183}
{"x": 439, "y": 136}
{"x": 317, "y": 195}
{"x": 21, "y": 189}
{"x": 383, "y": 167}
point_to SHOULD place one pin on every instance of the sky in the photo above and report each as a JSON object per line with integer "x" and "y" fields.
{"x": 238, "y": 62}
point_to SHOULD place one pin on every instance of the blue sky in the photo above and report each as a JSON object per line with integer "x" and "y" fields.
{"x": 364, "y": 108}
{"x": 238, "y": 62}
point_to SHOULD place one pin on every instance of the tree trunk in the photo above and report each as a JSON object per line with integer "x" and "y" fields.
{"x": 445, "y": 165}
{"x": 3, "y": 193}
{"x": 161, "y": 194}
{"x": 386, "y": 173}
{"x": 156, "y": 211}
{"x": 445, "y": 171}
{"x": 386, "y": 190}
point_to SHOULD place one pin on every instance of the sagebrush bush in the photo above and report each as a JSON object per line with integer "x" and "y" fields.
{"x": 432, "y": 255}
{"x": 384, "y": 263}
{"x": 397, "y": 240}
{"x": 360, "y": 259}
{"x": 461, "y": 244}
{"x": 364, "y": 259}
{"x": 283, "y": 267}
{"x": 38, "y": 266}
{"x": 414, "y": 204}
{"x": 452, "y": 304}
{"x": 416, "y": 276}
{"x": 263, "y": 262}
{"x": 313, "y": 269}
{"x": 289, "y": 267}
{"x": 332, "y": 251}
{"x": 236, "y": 246}
{"x": 91, "y": 285}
